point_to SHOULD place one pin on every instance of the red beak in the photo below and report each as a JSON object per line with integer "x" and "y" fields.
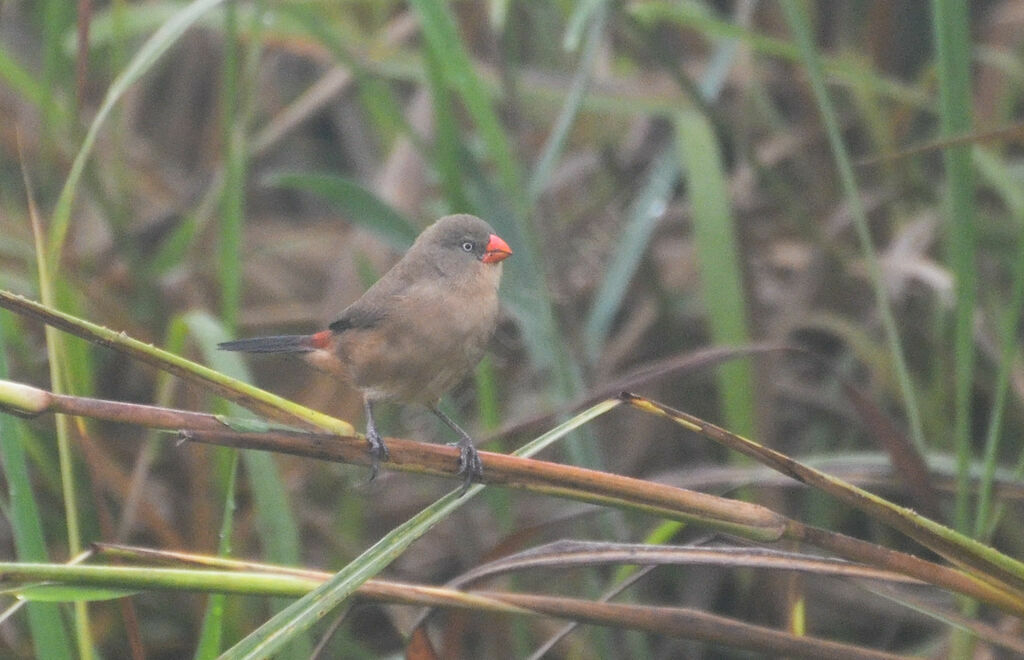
{"x": 496, "y": 250}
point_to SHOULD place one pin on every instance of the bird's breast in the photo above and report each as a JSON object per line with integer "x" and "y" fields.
{"x": 431, "y": 336}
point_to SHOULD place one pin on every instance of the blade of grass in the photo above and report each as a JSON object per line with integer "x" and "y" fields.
{"x": 212, "y": 632}
{"x": 576, "y": 24}
{"x": 1010, "y": 190}
{"x": 27, "y": 86}
{"x": 58, "y": 358}
{"x": 57, "y": 593}
{"x": 641, "y": 218}
{"x": 718, "y": 256}
{"x": 724, "y": 57}
{"x": 45, "y": 622}
{"x": 448, "y": 147}
{"x": 676, "y": 622}
{"x": 643, "y": 214}
{"x": 172, "y": 250}
{"x": 382, "y": 106}
{"x": 630, "y": 556}
{"x": 487, "y": 398}
{"x": 951, "y": 25}
{"x": 988, "y": 563}
{"x": 594, "y": 11}
{"x": 302, "y": 614}
{"x": 443, "y": 39}
{"x": 248, "y": 396}
{"x": 225, "y": 469}
{"x": 151, "y": 450}
{"x": 849, "y": 71}
{"x": 232, "y": 203}
{"x": 149, "y": 577}
{"x": 797, "y": 21}
{"x": 279, "y": 530}
{"x": 359, "y": 205}
{"x": 144, "y": 59}
{"x": 57, "y": 17}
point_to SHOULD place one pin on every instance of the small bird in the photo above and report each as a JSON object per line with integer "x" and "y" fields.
{"x": 416, "y": 332}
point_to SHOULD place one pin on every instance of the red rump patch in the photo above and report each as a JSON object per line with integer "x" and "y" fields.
{"x": 321, "y": 339}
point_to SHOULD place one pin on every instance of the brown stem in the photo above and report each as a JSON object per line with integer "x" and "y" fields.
{"x": 740, "y": 518}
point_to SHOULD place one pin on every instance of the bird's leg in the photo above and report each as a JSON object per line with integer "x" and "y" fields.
{"x": 470, "y": 464}
{"x": 377, "y": 449}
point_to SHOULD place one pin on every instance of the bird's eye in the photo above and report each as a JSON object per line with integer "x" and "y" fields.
{"x": 467, "y": 246}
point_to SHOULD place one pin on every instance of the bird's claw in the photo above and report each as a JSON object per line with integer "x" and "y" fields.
{"x": 378, "y": 452}
{"x": 470, "y": 465}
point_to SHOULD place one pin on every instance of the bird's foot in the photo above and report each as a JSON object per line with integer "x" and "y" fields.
{"x": 470, "y": 465}
{"x": 378, "y": 451}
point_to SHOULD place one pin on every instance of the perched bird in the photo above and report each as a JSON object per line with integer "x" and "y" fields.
{"x": 417, "y": 331}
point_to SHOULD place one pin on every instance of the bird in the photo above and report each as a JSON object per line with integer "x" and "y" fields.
{"x": 416, "y": 332}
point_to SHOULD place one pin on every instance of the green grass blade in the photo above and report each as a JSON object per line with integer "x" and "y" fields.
{"x": 230, "y": 388}
{"x": 986, "y": 564}
{"x": 695, "y": 16}
{"x": 576, "y": 25}
{"x": 23, "y": 83}
{"x": 641, "y": 218}
{"x": 232, "y": 203}
{"x": 212, "y": 631}
{"x": 148, "y": 54}
{"x": 359, "y": 205}
{"x": 718, "y": 256}
{"x": 951, "y": 25}
{"x": 487, "y": 399}
{"x": 797, "y": 21}
{"x": 443, "y": 39}
{"x": 555, "y": 143}
{"x": 279, "y": 529}
{"x": 306, "y": 611}
{"x": 148, "y": 577}
{"x": 225, "y": 473}
{"x": 57, "y": 17}
{"x": 448, "y": 149}
{"x": 45, "y": 622}
{"x": 1008, "y": 186}
{"x": 59, "y": 363}
{"x": 173, "y": 250}
{"x": 58, "y": 593}
{"x": 383, "y": 107}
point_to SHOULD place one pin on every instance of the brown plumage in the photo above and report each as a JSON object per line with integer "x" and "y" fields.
{"x": 417, "y": 331}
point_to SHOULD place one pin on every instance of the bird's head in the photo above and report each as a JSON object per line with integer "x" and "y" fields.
{"x": 456, "y": 242}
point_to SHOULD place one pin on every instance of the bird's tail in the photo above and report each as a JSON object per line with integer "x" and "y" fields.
{"x": 276, "y": 344}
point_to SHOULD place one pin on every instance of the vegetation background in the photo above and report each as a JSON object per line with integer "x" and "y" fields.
{"x": 671, "y": 180}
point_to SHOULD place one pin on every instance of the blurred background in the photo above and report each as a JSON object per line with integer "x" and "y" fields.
{"x": 665, "y": 175}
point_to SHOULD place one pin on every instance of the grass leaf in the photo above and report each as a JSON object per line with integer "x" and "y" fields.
{"x": 719, "y": 258}
{"x": 359, "y": 205}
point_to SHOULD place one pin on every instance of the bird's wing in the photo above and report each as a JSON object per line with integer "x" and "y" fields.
{"x": 372, "y": 307}
{"x": 358, "y": 316}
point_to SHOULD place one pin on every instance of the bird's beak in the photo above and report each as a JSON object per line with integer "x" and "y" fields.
{"x": 496, "y": 250}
